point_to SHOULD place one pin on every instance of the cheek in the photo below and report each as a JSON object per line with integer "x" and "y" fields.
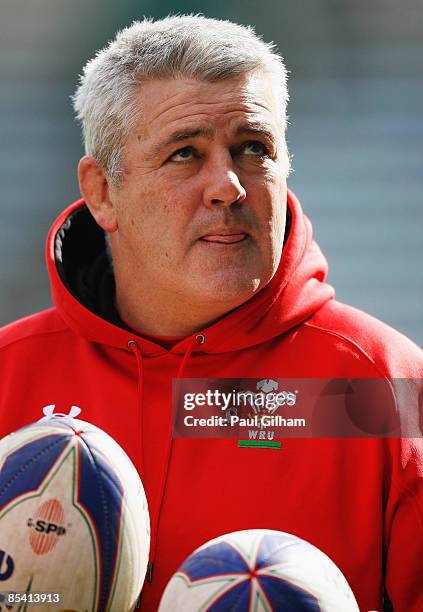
{"x": 279, "y": 209}
{"x": 160, "y": 220}
{"x": 142, "y": 207}
{"x": 268, "y": 178}
{"x": 267, "y": 194}
{"x": 268, "y": 201}
{"x": 178, "y": 205}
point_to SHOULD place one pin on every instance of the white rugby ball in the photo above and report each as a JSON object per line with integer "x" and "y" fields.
{"x": 73, "y": 519}
{"x": 258, "y": 570}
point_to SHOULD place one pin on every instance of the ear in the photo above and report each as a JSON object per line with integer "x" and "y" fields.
{"x": 95, "y": 189}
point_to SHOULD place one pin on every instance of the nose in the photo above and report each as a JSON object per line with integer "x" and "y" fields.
{"x": 223, "y": 186}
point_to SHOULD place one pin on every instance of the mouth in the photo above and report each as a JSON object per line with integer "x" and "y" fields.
{"x": 225, "y": 238}
{"x": 225, "y": 235}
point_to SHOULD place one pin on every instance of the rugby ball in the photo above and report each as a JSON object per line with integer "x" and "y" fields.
{"x": 258, "y": 570}
{"x": 74, "y": 521}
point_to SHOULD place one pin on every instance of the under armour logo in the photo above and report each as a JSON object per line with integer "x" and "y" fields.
{"x": 6, "y": 566}
{"x": 49, "y": 412}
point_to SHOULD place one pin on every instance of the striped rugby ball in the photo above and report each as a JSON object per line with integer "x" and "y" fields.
{"x": 73, "y": 518}
{"x": 258, "y": 570}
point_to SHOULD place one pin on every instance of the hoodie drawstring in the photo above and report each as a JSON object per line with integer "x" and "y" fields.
{"x": 134, "y": 347}
{"x": 155, "y": 518}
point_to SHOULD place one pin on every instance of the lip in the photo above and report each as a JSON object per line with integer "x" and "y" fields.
{"x": 227, "y": 235}
{"x": 224, "y": 238}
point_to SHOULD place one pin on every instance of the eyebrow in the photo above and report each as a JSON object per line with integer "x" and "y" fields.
{"x": 181, "y": 136}
{"x": 256, "y": 128}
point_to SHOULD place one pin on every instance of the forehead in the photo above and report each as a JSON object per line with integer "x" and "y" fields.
{"x": 169, "y": 104}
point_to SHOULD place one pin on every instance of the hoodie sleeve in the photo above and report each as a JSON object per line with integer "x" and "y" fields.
{"x": 403, "y": 518}
{"x": 399, "y": 360}
{"x": 403, "y": 526}
{"x": 402, "y": 363}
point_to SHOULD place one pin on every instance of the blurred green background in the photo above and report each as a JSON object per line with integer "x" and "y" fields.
{"x": 356, "y": 134}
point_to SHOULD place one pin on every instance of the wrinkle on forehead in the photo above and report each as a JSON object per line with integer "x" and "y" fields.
{"x": 198, "y": 101}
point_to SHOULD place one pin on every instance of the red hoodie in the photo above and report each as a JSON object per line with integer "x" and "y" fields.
{"x": 358, "y": 500}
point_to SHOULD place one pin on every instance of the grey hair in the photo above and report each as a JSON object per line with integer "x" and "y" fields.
{"x": 191, "y": 46}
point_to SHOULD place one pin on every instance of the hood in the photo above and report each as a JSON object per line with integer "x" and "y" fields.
{"x": 79, "y": 274}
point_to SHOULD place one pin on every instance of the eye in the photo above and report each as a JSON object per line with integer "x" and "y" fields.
{"x": 254, "y": 147}
{"x": 182, "y": 155}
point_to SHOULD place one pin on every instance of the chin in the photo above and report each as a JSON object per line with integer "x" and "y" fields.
{"x": 230, "y": 293}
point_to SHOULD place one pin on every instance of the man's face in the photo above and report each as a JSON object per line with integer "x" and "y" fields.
{"x": 201, "y": 209}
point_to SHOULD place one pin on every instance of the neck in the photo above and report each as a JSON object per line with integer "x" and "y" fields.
{"x": 171, "y": 316}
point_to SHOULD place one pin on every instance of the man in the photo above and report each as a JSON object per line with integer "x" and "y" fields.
{"x": 214, "y": 275}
